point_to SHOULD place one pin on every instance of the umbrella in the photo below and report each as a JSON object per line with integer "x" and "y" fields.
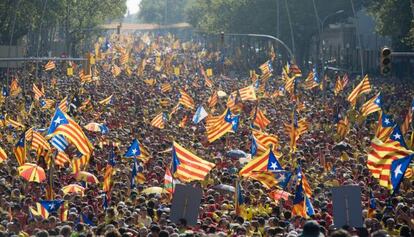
{"x": 87, "y": 177}
{"x": 236, "y": 154}
{"x": 221, "y": 93}
{"x": 154, "y": 190}
{"x": 73, "y": 188}
{"x": 225, "y": 187}
{"x": 32, "y": 172}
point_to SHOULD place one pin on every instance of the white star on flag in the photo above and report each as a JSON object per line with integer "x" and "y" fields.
{"x": 398, "y": 171}
{"x": 397, "y": 136}
{"x": 57, "y": 121}
{"x": 386, "y": 121}
{"x": 273, "y": 166}
{"x": 134, "y": 151}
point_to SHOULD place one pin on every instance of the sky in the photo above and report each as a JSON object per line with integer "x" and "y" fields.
{"x": 133, "y": 6}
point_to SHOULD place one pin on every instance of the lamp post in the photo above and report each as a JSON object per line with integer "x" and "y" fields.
{"x": 322, "y": 29}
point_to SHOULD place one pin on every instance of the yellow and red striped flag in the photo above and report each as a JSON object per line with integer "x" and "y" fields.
{"x": 384, "y": 127}
{"x": 37, "y": 92}
{"x": 260, "y": 119}
{"x": 186, "y": 100}
{"x": 85, "y": 77}
{"x": 213, "y": 99}
{"x": 260, "y": 163}
{"x": 115, "y": 70}
{"x": 124, "y": 58}
{"x": 159, "y": 121}
{"x": 39, "y": 211}
{"x": 186, "y": 166}
{"x": 217, "y": 126}
{"x": 3, "y": 155}
{"x": 183, "y": 122}
{"x": 166, "y": 87}
{"x": 408, "y": 120}
{"x": 39, "y": 142}
{"x": 264, "y": 177}
{"x": 61, "y": 159}
{"x": 20, "y": 150}
{"x": 342, "y": 128}
{"x": 63, "y": 105}
{"x": 363, "y": 87}
{"x": 50, "y": 66}
{"x": 372, "y": 105}
{"x": 15, "y": 89}
{"x": 248, "y": 93}
{"x": 265, "y": 139}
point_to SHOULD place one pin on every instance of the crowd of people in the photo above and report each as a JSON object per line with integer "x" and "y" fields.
{"x": 138, "y": 97}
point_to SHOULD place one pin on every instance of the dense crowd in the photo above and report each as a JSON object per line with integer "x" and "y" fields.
{"x": 130, "y": 212}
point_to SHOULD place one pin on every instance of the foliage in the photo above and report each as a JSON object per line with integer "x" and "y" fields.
{"x": 162, "y": 11}
{"x": 394, "y": 19}
{"x": 73, "y": 20}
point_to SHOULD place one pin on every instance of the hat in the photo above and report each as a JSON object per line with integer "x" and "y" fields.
{"x": 311, "y": 229}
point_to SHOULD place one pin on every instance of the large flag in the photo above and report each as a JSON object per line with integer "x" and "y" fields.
{"x": 37, "y": 92}
{"x": 20, "y": 150}
{"x": 382, "y": 156}
{"x": 186, "y": 100}
{"x": 217, "y": 126}
{"x": 266, "y": 139}
{"x": 62, "y": 124}
{"x": 200, "y": 114}
{"x": 363, "y": 87}
{"x": 408, "y": 120}
{"x": 260, "y": 120}
{"x": 265, "y": 162}
{"x": 213, "y": 99}
{"x": 159, "y": 120}
{"x": 247, "y": 93}
{"x": 384, "y": 127}
{"x": 186, "y": 166}
{"x": 372, "y": 105}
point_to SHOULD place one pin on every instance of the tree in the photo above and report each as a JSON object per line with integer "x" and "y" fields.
{"x": 393, "y": 19}
{"x": 162, "y": 11}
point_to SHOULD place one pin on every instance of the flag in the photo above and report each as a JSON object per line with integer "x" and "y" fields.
{"x": 115, "y": 70}
{"x": 265, "y": 162}
{"x": 294, "y": 69}
{"x": 408, "y": 120}
{"x": 363, "y": 87}
{"x": 217, "y": 126}
{"x": 59, "y": 142}
{"x": 296, "y": 129}
{"x": 20, "y": 150}
{"x": 15, "y": 89}
{"x": 186, "y": 100}
{"x": 62, "y": 124}
{"x": 4, "y": 91}
{"x": 207, "y": 81}
{"x": 183, "y": 121}
{"x": 342, "y": 127}
{"x": 213, "y": 99}
{"x": 175, "y": 109}
{"x": 341, "y": 83}
{"x": 396, "y": 135}
{"x": 231, "y": 101}
{"x": 85, "y": 77}
{"x": 37, "y": 92}
{"x": 397, "y": 171}
{"x": 51, "y": 205}
{"x": 247, "y": 93}
{"x": 39, "y": 211}
{"x": 238, "y": 198}
{"x": 61, "y": 159}
{"x": 134, "y": 149}
{"x": 259, "y": 119}
{"x": 84, "y": 219}
{"x": 372, "y": 105}
{"x": 13, "y": 123}
{"x": 267, "y": 179}
{"x": 200, "y": 114}
{"x": 169, "y": 183}
{"x": 266, "y": 68}
{"x": 159, "y": 120}
{"x": 106, "y": 101}
{"x": 38, "y": 141}
{"x": 123, "y": 59}
{"x": 63, "y": 105}
{"x": 265, "y": 139}
{"x": 381, "y": 157}
{"x": 166, "y": 87}
{"x": 372, "y": 205}
{"x": 299, "y": 202}
{"x": 50, "y": 65}
{"x": 187, "y": 166}
{"x": 384, "y": 127}
{"x": 310, "y": 211}
{"x": 312, "y": 80}
{"x": 235, "y": 121}
{"x": 3, "y": 155}
{"x": 290, "y": 85}
{"x": 304, "y": 181}
{"x": 109, "y": 171}
{"x": 47, "y": 103}
{"x": 63, "y": 212}
{"x": 136, "y": 174}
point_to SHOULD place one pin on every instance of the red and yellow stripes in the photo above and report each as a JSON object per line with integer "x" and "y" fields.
{"x": 186, "y": 99}
{"x": 217, "y": 126}
{"x": 191, "y": 167}
{"x": 363, "y": 87}
{"x": 247, "y": 93}
{"x": 260, "y": 119}
{"x": 257, "y": 164}
{"x": 158, "y": 121}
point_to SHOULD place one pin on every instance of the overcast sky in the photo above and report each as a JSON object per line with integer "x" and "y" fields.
{"x": 133, "y": 6}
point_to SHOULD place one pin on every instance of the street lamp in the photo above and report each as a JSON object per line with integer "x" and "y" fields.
{"x": 322, "y": 28}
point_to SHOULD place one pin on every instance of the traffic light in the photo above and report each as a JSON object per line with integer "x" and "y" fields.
{"x": 222, "y": 37}
{"x": 385, "y": 65}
